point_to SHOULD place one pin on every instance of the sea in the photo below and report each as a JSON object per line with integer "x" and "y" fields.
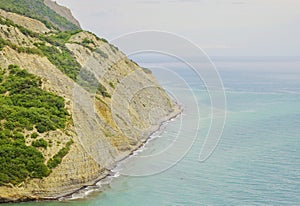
{"x": 257, "y": 157}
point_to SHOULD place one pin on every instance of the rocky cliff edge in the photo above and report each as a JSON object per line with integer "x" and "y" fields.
{"x": 105, "y": 127}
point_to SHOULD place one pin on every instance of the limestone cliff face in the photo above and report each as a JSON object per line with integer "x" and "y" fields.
{"x": 105, "y": 129}
{"x": 63, "y": 11}
{"x": 24, "y": 21}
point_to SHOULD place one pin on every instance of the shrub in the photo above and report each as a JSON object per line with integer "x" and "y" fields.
{"x": 24, "y": 106}
{"x": 57, "y": 159}
{"x": 41, "y": 128}
{"x": 103, "y": 91}
{"x": 104, "y": 40}
{"x": 87, "y": 41}
{"x": 34, "y": 135}
{"x": 27, "y": 104}
{"x": 111, "y": 85}
{"x": 18, "y": 162}
{"x": 19, "y": 49}
{"x": 19, "y": 136}
{"x": 40, "y": 143}
{"x": 62, "y": 59}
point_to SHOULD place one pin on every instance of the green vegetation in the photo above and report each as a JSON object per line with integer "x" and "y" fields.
{"x": 40, "y": 143}
{"x": 38, "y": 10}
{"x": 22, "y": 29}
{"x": 60, "y": 38}
{"x": 102, "y": 39}
{"x": 19, "y": 49}
{"x": 111, "y": 85}
{"x": 62, "y": 59}
{"x": 24, "y": 105}
{"x": 87, "y": 41}
{"x": 98, "y": 38}
{"x": 102, "y": 90}
{"x": 34, "y": 135}
{"x": 57, "y": 39}
{"x": 60, "y": 56}
{"x": 89, "y": 82}
{"x": 57, "y": 159}
{"x": 18, "y": 161}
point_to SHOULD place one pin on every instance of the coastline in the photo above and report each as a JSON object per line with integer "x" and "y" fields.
{"x": 178, "y": 110}
{"x": 109, "y": 174}
{"x": 79, "y": 168}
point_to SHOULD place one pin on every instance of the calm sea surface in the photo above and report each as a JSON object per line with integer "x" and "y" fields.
{"x": 257, "y": 161}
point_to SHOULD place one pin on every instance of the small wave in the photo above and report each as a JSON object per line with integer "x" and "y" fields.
{"x": 106, "y": 181}
{"x": 136, "y": 152}
{"x": 89, "y": 190}
{"x": 116, "y": 172}
{"x": 288, "y": 91}
{"x": 81, "y": 194}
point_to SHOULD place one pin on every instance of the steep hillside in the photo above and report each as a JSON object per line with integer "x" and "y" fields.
{"x": 62, "y": 11}
{"x": 72, "y": 105}
{"x": 37, "y": 9}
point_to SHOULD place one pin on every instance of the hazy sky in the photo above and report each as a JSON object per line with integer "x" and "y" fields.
{"x": 220, "y": 27}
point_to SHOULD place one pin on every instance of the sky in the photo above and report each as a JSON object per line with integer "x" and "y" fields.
{"x": 219, "y": 27}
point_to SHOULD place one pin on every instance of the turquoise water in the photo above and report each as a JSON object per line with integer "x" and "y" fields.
{"x": 257, "y": 161}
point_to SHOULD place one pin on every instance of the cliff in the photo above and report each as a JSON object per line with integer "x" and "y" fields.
{"x": 110, "y": 106}
{"x": 62, "y": 11}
